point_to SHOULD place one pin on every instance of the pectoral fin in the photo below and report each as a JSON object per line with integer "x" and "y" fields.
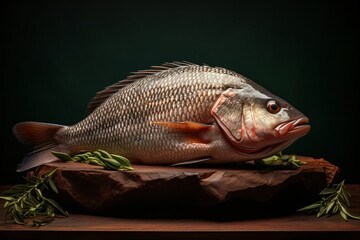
{"x": 193, "y": 132}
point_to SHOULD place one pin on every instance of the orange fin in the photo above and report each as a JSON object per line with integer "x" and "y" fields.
{"x": 185, "y": 126}
{"x": 193, "y": 131}
{"x": 36, "y": 133}
{"x": 41, "y": 136}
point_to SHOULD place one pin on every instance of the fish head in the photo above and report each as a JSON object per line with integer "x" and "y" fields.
{"x": 258, "y": 123}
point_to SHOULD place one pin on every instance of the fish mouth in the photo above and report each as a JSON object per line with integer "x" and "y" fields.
{"x": 285, "y": 134}
{"x": 297, "y": 127}
{"x": 288, "y": 132}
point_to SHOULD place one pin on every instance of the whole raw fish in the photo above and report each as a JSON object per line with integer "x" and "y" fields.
{"x": 171, "y": 114}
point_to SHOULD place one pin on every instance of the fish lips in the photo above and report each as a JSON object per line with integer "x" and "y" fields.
{"x": 294, "y": 128}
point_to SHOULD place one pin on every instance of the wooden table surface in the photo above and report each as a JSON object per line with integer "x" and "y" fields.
{"x": 296, "y": 226}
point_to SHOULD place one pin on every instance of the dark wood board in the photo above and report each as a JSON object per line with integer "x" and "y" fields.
{"x": 287, "y": 225}
{"x": 293, "y": 226}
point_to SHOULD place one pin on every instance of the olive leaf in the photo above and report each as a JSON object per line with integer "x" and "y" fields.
{"x": 280, "y": 161}
{"x": 335, "y": 199}
{"x": 27, "y": 201}
{"x": 98, "y": 157}
{"x": 62, "y": 156}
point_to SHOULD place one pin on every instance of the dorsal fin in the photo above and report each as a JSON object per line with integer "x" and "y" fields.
{"x": 101, "y": 96}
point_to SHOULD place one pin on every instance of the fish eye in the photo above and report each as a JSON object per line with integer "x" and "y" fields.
{"x": 273, "y": 107}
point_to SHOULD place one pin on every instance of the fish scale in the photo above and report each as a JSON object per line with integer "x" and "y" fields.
{"x": 175, "y": 113}
{"x": 153, "y": 103}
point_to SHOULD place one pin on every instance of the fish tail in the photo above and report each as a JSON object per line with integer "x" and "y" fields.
{"x": 41, "y": 137}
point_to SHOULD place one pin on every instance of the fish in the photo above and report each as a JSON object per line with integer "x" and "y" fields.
{"x": 175, "y": 113}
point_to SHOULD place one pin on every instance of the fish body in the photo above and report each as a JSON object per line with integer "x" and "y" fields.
{"x": 172, "y": 114}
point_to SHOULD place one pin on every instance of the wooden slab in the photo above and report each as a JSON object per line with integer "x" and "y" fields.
{"x": 292, "y": 226}
{"x": 231, "y": 191}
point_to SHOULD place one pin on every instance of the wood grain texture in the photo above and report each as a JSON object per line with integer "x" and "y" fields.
{"x": 292, "y": 226}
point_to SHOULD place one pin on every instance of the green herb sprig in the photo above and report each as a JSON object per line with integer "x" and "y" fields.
{"x": 281, "y": 161}
{"x": 335, "y": 199}
{"x": 99, "y": 157}
{"x": 26, "y": 201}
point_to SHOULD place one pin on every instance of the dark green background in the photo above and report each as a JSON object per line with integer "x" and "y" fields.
{"x": 57, "y": 55}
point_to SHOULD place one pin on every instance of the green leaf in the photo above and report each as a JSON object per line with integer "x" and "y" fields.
{"x": 52, "y": 185}
{"x": 39, "y": 193}
{"x": 77, "y": 159}
{"x": 111, "y": 163}
{"x": 346, "y": 192}
{"x": 97, "y": 154}
{"x": 334, "y": 199}
{"x": 99, "y": 157}
{"x": 344, "y": 199}
{"x": 62, "y": 156}
{"x": 18, "y": 208}
{"x": 343, "y": 215}
{"x": 32, "y": 199}
{"x": 327, "y": 191}
{"x": 122, "y": 160}
{"x": 335, "y": 209}
{"x": 321, "y": 211}
{"x": 7, "y": 198}
{"x": 280, "y": 161}
{"x": 18, "y": 218}
{"x": 329, "y": 207}
{"x": 95, "y": 161}
{"x": 126, "y": 168}
{"x": 27, "y": 200}
{"x": 104, "y": 153}
{"x": 343, "y": 209}
{"x": 57, "y": 206}
{"x": 7, "y": 204}
{"x": 352, "y": 216}
{"x": 310, "y": 207}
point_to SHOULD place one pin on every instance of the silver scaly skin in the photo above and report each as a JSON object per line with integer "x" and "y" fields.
{"x": 174, "y": 113}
